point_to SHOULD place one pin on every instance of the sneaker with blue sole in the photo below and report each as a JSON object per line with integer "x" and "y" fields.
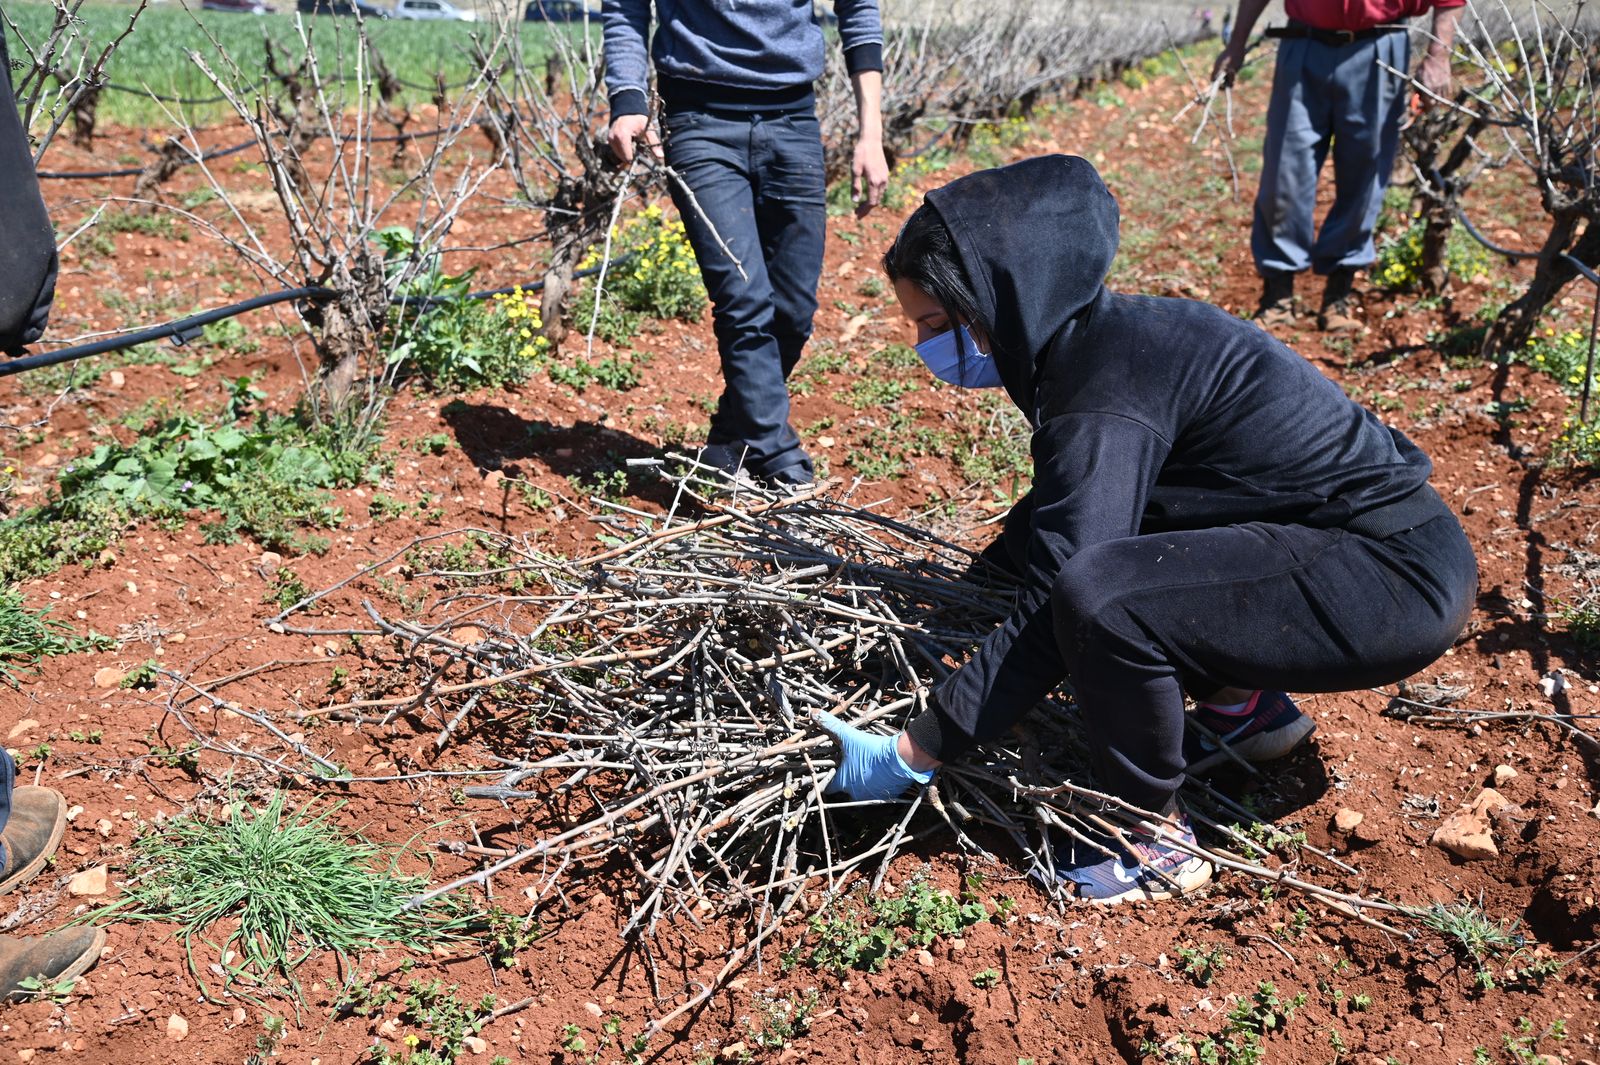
{"x": 1147, "y": 869}
{"x": 1269, "y": 727}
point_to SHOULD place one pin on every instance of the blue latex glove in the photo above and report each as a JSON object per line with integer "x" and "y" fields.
{"x": 870, "y": 766}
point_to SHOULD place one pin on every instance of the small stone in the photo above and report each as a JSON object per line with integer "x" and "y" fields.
{"x": 21, "y": 726}
{"x": 826, "y": 441}
{"x": 925, "y": 958}
{"x": 103, "y": 827}
{"x": 73, "y": 813}
{"x": 593, "y": 1009}
{"x": 1347, "y": 820}
{"x": 268, "y": 564}
{"x": 1503, "y": 773}
{"x": 1466, "y": 833}
{"x": 239, "y": 1015}
{"x": 118, "y": 378}
{"x": 89, "y": 882}
{"x": 913, "y": 1017}
{"x": 475, "y": 1044}
{"x": 734, "y": 1051}
{"x": 494, "y": 479}
{"x": 108, "y": 677}
{"x": 277, "y": 627}
{"x": 177, "y": 1028}
{"x": 26, "y": 1054}
{"x": 177, "y": 637}
{"x": 389, "y": 1028}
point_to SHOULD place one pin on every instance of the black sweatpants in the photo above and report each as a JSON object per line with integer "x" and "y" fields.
{"x": 1279, "y": 607}
{"x": 27, "y": 242}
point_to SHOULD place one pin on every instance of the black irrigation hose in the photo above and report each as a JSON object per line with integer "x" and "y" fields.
{"x": 1573, "y": 261}
{"x": 185, "y": 329}
{"x": 188, "y": 101}
{"x": 181, "y": 100}
{"x": 132, "y": 171}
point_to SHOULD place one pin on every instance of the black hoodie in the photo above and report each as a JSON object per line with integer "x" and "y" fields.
{"x": 1148, "y": 415}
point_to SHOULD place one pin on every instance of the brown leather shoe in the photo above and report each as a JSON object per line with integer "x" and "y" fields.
{"x": 50, "y": 959}
{"x": 38, "y": 819}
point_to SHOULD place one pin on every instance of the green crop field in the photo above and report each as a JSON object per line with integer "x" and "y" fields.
{"x": 156, "y": 56}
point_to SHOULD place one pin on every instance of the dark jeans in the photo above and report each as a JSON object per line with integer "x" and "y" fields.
{"x": 1280, "y": 607}
{"x": 758, "y": 179}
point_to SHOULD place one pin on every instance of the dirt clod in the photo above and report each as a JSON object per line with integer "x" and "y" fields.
{"x": 1467, "y": 832}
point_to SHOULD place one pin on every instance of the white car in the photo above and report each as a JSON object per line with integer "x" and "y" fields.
{"x": 433, "y": 9}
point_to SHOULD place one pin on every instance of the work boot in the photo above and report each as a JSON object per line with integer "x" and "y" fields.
{"x": 1337, "y": 303}
{"x": 49, "y": 959}
{"x": 38, "y": 818}
{"x": 1277, "y": 299}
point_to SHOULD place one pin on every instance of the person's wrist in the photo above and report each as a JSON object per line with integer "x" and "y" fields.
{"x": 871, "y": 138}
{"x": 913, "y": 757}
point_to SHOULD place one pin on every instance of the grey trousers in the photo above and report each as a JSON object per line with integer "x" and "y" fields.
{"x": 1338, "y": 97}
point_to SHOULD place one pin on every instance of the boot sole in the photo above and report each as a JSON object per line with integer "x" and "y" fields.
{"x": 1262, "y": 747}
{"x": 88, "y": 959}
{"x": 59, "y": 829}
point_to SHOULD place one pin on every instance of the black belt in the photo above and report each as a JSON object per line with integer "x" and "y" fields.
{"x": 1332, "y": 38}
{"x": 1391, "y": 519}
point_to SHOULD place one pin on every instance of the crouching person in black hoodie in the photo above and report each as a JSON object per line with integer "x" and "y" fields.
{"x": 1208, "y": 513}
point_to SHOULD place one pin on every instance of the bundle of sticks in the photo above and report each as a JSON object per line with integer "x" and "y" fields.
{"x": 667, "y": 685}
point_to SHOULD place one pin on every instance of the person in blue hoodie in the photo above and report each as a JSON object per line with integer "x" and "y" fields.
{"x": 740, "y": 126}
{"x": 1209, "y": 514}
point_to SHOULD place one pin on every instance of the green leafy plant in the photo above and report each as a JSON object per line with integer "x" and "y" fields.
{"x": 267, "y": 478}
{"x": 283, "y": 885}
{"x": 455, "y": 342}
{"x": 509, "y": 935}
{"x": 36, "y": 989}
{"x": 1399, "y": 263}
{"x": 986, "y": 978}
{"x": 441, "y": 1021}
{"x": 1202, "y": 963}
{"x": 653, "y": 270}
{"x": 1523, "y": 1047}
{"x": 857, "y": 934}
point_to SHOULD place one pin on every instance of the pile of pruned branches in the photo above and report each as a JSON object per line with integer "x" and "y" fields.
{"x": 652, "y": 709}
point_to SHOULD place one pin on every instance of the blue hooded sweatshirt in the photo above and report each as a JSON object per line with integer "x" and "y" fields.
{"x": 730, "y": 54}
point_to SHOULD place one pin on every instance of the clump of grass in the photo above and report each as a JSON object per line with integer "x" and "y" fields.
{"x": 26, "y": 636}
{"x": 285, "y": 884}
{"x": 1474, "y": 935}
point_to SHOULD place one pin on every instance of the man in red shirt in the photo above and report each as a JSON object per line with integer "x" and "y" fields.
{"x": 1332, "y": 88}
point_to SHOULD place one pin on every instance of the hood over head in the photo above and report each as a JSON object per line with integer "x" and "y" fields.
{"x": 1036, "y": 239}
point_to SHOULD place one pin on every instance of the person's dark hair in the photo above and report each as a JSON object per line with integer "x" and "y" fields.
{"x": 925, "y": 254}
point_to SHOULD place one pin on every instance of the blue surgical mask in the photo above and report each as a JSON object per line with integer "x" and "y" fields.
{"x": 965, "y": 365}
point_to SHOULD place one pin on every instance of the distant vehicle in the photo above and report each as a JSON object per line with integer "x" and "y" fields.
{"x": 340, "y": 7}
{"x": 555, "y": 11}
{"x": 245, "y": 7}
{"x": 432, "y": 9}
